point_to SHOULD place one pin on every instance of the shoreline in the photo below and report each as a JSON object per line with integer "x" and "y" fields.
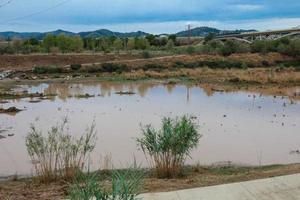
{"x": 194, "y": 177}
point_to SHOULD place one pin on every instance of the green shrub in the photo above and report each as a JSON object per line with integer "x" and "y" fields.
{"x": 114, "y": 67}
{"x": 93, "y": 69}
{"x": 58, "y": 154}
{"x": 75, "y": 67}
{"x": 191, "y": 50}
{"x": 39, "y": 70}
{"x": 47, "y": 70}
{"x": 153, "y": 67}
{"x": 169, "y": 147}
{"x": 125, "y": 186}
{"x": 146, "y": 54}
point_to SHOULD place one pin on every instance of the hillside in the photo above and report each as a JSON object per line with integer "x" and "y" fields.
{"x": 199, "y": 31}
{"x": 203, "y": 31}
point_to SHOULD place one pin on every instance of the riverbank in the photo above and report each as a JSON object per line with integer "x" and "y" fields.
{"x": 195, "y": 176}
{"x": 250, "y": 69}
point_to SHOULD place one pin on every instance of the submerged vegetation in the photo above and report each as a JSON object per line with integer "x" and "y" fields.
{"x": 169, "y": 147}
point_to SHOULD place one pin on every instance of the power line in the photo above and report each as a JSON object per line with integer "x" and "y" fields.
{"x": 38, "y": 12}
{"x": 5, "y": 3}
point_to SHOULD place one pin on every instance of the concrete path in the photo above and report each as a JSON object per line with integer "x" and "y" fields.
{"x": 278, "y": 188}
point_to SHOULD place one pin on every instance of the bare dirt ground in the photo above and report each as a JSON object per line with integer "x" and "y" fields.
{"x": 195, "y": 177}
{"x": 27, "y": 62}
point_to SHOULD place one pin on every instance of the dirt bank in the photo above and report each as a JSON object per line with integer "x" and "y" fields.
{"x": 196, "y": 176}
{"x": 27, "y": 62}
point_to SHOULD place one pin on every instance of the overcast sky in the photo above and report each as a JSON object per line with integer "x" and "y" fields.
{"x": 154, "y": 16}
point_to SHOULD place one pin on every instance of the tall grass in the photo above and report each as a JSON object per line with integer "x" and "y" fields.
{"x": 58, "y": 154}
{"x": 125, "y": 186}
{"x": 168, "y": 148}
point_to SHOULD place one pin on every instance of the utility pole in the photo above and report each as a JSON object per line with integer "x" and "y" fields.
{"x": 189, "y": 33}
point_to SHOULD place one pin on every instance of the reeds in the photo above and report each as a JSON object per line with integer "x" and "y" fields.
{"x": 58, "y": 154}
{"x": 168, "y": 148}
{"x": 125, "y": 186}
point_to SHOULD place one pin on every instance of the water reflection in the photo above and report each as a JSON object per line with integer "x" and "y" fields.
{"x": 252, "y": 125}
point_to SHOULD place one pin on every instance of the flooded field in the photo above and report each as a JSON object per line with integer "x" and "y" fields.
{"x": 256, "y": 128}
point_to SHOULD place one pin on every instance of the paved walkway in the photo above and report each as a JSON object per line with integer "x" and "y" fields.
{"x": 278, "y": 188}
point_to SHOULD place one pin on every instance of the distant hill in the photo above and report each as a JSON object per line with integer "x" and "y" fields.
{"x": 199, "y": 31}
{"x": 107, "y": 33}
{"x": 97, "y": 33}
{"x": 203, "y": 31}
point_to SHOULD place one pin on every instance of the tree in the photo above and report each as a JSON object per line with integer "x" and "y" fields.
{"x": 170, "y": 45}
{"x": 63, "y": 43}
{"x": 209, "y": 37}
{"x": 76, "y": 44}
{"x": 17, "y": 44}
{"x": 172, "y": 37}
{"x": 131, "y": 44}
{"x": 150, "y": 39}
{"x": 32, "y": 41}
{"x": 229, "y": 48}
{"x": 49, "y": 41}
{"x": 118, "y": 45}
{"x": 141, "y": 43}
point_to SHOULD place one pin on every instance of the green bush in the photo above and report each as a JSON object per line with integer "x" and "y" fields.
{"x": 153, "y": 67}
{"x": 75, "y": 67}
{"x": 114, "y": 67}
{"x": 146, "y": 54}
{"x": 191, "y": 50}
{"x": 58, "y": 154}
{"x": 47, "y": 70}
{"x": 125, "y": 186}
{"x": 169, "y": 147}
{"x": 93, "y": 69}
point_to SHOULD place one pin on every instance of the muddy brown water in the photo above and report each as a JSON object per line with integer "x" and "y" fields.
{"x": 241, "y": 127}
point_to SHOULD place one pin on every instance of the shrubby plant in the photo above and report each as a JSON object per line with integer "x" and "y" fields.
{"x": 125, "y": 186}
{"x": 58, "y": 154}
{"x": 167, "y": 149}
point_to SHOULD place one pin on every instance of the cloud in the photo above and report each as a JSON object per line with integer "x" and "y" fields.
{"x": 246, "y": 7}
{"x": 163, "y": 27}
{"x": 150, "y": 15}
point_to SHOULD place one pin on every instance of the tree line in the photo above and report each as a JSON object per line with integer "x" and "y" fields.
{"x": 67, "y": 44}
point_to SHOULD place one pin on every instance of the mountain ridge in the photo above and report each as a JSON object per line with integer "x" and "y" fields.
{"x": 198, "y": 31}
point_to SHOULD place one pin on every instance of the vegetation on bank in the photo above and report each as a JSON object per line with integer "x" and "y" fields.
{"x": 169, "y": 65}
{"x": 66, "y": 44}
{"x": 168, "y": 148}
{"x": 58, "y": 155}
{"x": 176, "y": 138}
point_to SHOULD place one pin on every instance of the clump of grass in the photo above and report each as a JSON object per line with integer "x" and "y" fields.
{"x": 114, "y": 67}
{"x": 146, "y": 54}
{"x": 125, "y": 186}
{"x": 153, "y": 67}
{"x": 58, "y": 154}
{"x": 75, "y": 67}
{"x": 86, "y": 95}
{"x": 47, "y": 69}
{"x": 169, "y": 147}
